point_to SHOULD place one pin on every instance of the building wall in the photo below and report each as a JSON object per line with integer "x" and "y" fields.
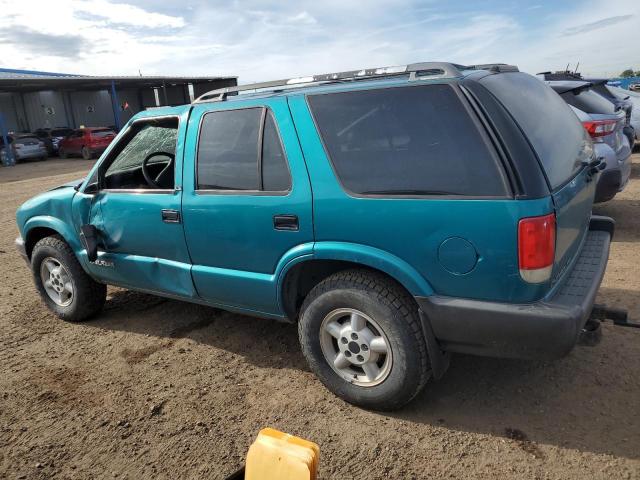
{"x": 8, "y": 112}
{"x": 92, "y": 108}
{"x": 130, "y": 97}
{"x": 44, "y": 109}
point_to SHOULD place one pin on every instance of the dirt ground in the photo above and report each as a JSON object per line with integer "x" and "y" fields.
{"x": 155, "y": 388}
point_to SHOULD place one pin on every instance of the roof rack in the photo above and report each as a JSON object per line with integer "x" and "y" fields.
{"x": 415, "y": 70}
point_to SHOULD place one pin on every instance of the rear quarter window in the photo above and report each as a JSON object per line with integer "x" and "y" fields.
{"x": 553, "y": 130}
{"x": 418, "y": 140}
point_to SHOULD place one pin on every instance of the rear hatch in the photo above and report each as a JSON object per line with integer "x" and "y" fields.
{"x": 27, "y": 144}
{"x": 102, "y": 137}
{"x": 564, "y": 150}
{"x": 616, "y": 139}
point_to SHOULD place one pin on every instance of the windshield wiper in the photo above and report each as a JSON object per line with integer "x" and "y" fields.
{"x": 408, "y": 192}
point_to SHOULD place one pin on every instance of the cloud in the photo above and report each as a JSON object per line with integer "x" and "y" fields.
{"x": 590, "y": 27}
{"x": 266, "y": 39}
{"x": 302, "y": 18}
{"x": 38, "y": 43}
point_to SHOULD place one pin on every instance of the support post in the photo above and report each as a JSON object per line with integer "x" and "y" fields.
{"x": 9, "y": 160}
{"x": 116, "y": 105}
{"x": 164, "y": 91}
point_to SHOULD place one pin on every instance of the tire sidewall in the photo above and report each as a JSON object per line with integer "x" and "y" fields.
{"x": 39, "y": 254}
{"x": 398, "y": 388}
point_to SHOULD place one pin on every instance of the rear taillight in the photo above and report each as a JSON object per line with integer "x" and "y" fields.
{"x": 600, "y": 128}
{"x": 536, "y": 247}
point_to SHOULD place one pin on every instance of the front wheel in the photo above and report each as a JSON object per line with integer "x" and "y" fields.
{"x": 360, "y": 333}
{"x": 62, "y": 283}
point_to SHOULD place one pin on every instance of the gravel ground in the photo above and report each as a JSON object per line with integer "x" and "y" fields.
{"x": 155, "y": 388}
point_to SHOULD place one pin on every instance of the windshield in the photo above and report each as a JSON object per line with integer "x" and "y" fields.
{"x": 61, "y": 132}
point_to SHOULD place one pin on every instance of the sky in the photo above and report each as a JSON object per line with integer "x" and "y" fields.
{"x": 265, "y": 40}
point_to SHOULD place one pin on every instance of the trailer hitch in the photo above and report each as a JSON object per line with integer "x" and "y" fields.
{"x": 618, "y": 316}
{"x": 591, "y": 333}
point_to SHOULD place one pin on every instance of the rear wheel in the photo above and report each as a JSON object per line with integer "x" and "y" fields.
{"x": 360, "y": 333}
{"x": 62, "y": 283}
{"x": 86, "y": 153}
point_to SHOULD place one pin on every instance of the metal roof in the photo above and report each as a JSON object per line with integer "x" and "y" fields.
{"x": 30, "y": 80}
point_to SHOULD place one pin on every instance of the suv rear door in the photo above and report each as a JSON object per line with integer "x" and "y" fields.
{"x": 563, "y": 149}
{"x": 246, "y": 201}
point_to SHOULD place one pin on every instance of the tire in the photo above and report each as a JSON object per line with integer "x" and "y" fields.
{"x": 86, "y": 153}
{"x": 391, "y": 313}
{"x": 62, "y": 154}
{"x": 88, "y": 296}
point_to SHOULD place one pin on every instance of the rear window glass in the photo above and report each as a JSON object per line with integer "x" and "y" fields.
{"x": 589, "y": 101}
{"x": 231, "y": 157}
{"x": 102, "y": 133}
{"x": 552, "y": 128}
{"x": 228, "y": 150}
{"x": 406, "y": 141}
{"x": 27, "y": 140}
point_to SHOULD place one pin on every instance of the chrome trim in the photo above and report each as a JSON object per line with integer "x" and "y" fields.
{"x": 257, "y": 193}
{"x": 140, "y": 190}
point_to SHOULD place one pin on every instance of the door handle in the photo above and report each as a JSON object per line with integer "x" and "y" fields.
{"x": 286, "y": 222}
{"x": 171, "y": 216}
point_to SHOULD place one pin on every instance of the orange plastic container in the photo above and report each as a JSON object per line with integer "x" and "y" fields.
{"x": 277, "y": 455}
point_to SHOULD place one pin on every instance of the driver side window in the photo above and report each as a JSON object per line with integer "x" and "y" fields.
{"x": 145, "y": 157}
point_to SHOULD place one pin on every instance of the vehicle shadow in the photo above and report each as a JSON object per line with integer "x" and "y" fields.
{"x": 626, "y": 212}
{"x": 587, "y": 401}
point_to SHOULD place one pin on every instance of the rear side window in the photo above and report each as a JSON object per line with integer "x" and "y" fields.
{"x": 554, "y": 131}
{"x": 241, "y": 150}
{"x": 589, "y": 101}
{"x": 406, "y": 141}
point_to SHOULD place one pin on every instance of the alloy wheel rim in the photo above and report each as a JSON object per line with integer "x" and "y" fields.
{"x": 355, "y": 347}
{"x": 57, "y": 281}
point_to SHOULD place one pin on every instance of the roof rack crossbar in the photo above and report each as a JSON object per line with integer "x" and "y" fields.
{"x": 414, "y": 70}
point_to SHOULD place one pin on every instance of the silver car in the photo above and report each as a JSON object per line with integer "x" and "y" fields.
{"x": 605, "y": 124}
{"x": 633, "y": 97}
{"x": 23, "y": 147}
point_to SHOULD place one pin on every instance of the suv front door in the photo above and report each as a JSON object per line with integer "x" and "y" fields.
{"x": 247, "y": 201}
{"x": 136, "y": 210}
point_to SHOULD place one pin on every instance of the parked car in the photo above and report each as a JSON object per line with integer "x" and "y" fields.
{"x": 635, "y": 87}
{"x": 605, "y": 124}
{"x": 634, "y": 97}
{"x": 87, "y": 142}
{"x": 23, "y": 147}
{"x": 599, "y": 85}
{"x": 396, "y": 214}
{"x": 52, "y": 137}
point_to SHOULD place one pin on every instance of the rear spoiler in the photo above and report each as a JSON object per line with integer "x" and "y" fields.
{"x": 494, "y": 67}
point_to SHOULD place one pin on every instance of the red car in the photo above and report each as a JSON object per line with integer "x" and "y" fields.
{"x": 88, "y": 142}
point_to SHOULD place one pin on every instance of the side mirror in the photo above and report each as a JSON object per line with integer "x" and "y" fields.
{"x": 89, "y": 239}
{"x": 91, "y": 189}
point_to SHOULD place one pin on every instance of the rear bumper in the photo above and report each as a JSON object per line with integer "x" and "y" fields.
{"x": 609, "y": 183}
{"x": 548, "y": 328}
{"x": 41, "y": 152}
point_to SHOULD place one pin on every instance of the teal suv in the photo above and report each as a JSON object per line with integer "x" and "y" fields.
{"x": 395, "y": 214}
